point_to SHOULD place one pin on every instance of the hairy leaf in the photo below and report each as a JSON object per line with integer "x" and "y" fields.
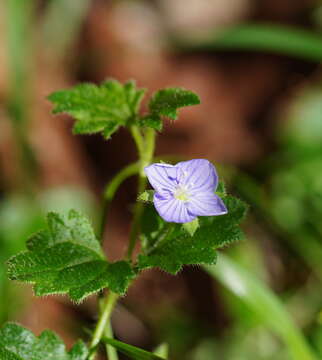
{"x": 100, "y": 108}
{"x": 173, "y": 248}
{"x": 18, "y": 343}
{"x": 166, "y": 102}
{"x": 67, "y": 258}
{"x": 153, "y": 121}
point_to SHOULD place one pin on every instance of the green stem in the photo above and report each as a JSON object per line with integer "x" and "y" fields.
{"x": 135, "y": 229}
{"x": 138, "y": 139}
{"x": 130, "y": 170}
{"x": 149, "y": 148}
{"x": 117, "y": 180}
{"x": 145, "y": 147}
{"x": 110, "y": 350}
{"x": 111, "y": 189}
{"x": 146, "y": 151}
{"x": 107, "y": 308}
{"x": 162, "y": 238}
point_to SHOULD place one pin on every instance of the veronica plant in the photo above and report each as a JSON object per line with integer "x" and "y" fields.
{"x": 186, "y": 224}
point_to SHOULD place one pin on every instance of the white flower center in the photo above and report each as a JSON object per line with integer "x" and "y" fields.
{"x": 181, "y": 193}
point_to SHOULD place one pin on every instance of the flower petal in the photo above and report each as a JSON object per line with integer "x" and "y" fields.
{"x": 199, "y": 175}
{"x": 162, "y": 176}
{"x": 172, "y": 209}
{"x": 206, "y": 204}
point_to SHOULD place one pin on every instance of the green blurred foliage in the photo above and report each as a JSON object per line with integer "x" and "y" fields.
{"x": 289, "y": 205}
{"x": 296, "y": 182}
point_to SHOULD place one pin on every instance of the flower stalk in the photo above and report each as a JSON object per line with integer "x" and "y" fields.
{"x": 145, "y": 145}
{"x": 107, "y": 308}
{"x": 146, "y": 153}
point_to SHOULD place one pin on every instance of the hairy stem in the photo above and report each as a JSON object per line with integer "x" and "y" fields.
{"x": 138, "y": 139}
{"x": 135, "y": 229}
{"x": 107, "y": 308}
{"x": 148, "y": 151}
{"x": 130, "y": 170}
{"x": 145, "y": 145}
{"x": 111, "y": 189}
{"x": 146, "y": 155}
{"x": 117, "y": 180}
{"x": 112, "y": 186}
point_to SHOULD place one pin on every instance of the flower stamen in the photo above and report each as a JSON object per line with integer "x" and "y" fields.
{"x": 181, "y": 194}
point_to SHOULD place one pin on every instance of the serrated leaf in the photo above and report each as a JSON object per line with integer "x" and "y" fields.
{"x": 18, "y": 343}
{"x": 100, "y": 108}
{"x": 153, "y": 121}
{"x": 182, "y": 249}
{"x": 66, "y": 258}
{"x": 166, "y": 102}
{"x": 191, "y": 227}
{"x": 131, "y": 351}
{"x": 146, "y": 196}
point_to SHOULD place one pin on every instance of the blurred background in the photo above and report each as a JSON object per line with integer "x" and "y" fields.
{"x": 256, "y": 67}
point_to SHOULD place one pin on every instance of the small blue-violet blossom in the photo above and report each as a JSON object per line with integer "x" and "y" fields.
{"x": 185, "y": 190}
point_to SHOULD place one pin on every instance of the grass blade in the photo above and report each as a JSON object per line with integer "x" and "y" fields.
{"x": 162, "y": 350}
{"x": 263, "y": 302}
{"x": 110, "y": 350}
{"x": 278, "y": 39}
{"x": 131, "y": 351}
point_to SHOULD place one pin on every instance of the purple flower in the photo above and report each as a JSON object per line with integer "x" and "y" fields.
{"x": 186, "y": 190}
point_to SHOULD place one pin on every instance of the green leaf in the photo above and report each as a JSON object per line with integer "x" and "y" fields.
{"x": 67, "y": 258}
{"x": 100, "y": 108}
{"x": 191, "y": 227}
{"x": 166, "y": 102}
{"x": 153, "y": 121}
{"x": 131, "y": 351}
{"x": 146, "y": 196}
{"x": 286, "y": 40}
{"x": 171, "y": 249}
{"x": 18, "y": 343}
